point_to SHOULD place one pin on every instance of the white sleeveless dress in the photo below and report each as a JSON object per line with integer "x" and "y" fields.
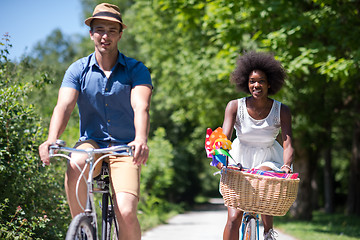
{"x": 255, "y": 144}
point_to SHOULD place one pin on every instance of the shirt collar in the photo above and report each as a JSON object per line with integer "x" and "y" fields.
{"x": 119, "y": 60}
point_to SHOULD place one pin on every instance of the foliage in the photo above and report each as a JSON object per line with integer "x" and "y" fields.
{"x": 157, "y": 177}
{"x": 53, "y": 56}
{"x": 188, "y": 72}
{"x": 323, "y": 90}
{"x": 32, "y": 205}
{"x": 191, "y": 48}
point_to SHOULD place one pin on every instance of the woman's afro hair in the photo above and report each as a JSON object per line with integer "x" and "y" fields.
{"x": 265, "y": 62}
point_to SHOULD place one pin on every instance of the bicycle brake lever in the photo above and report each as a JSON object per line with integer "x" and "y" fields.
{"x": 60, "y": 143}
{"x": 131, "y": 150}
{"x": 56, "y": 146}
{"x": 239, "y": 166}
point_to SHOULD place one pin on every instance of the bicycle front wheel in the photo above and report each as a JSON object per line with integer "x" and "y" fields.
{"x": 81, "y": 228}
{"x": 250, "y": 229}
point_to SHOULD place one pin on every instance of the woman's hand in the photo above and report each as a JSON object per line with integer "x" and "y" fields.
{"x": 220, "y": 165}
{"x": 286, "y": 168}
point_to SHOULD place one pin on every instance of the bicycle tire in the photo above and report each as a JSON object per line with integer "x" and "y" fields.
{"x": 250, "y": 229}
{"x": 111, "y": 228}
{"x": 111, "y": 231}
{"x": 81, "y": 228}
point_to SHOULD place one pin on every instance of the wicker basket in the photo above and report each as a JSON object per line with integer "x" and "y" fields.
{"x": 256, "y": 193}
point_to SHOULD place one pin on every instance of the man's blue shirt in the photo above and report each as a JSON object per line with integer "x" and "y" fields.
{"x": 106, "y": 115}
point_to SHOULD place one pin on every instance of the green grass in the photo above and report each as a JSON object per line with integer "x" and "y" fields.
{"x": 321, "y": 227}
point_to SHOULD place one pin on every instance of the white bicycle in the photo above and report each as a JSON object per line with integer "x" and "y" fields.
{"x": 84, "y": 225}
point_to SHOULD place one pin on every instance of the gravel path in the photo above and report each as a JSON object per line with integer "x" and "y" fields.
{"x": 205, "y": 222}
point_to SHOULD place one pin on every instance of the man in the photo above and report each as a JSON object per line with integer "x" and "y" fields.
{"x": 113, "y": 95}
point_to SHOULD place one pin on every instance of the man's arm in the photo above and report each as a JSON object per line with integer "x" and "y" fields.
{"x": 65, "y": 105}
{"x": 140, "y": 102}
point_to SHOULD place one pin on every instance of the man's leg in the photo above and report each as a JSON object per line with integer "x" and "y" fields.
{"x": 126, "y": 214}
{"x": 72, "y": 176}
{"x": 125, "y": 181}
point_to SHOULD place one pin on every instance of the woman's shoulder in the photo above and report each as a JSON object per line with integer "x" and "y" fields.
{"x": 232, "y": 103}
{"x": 284, "y": 110}
{"x": 283, "y": 106}
{"x": 237, "y": 101}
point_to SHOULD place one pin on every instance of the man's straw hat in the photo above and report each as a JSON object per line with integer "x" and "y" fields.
{"x": 106, "y": 11}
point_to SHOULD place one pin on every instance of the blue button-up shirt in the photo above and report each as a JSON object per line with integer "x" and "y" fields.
{"x": 106, "y": 115}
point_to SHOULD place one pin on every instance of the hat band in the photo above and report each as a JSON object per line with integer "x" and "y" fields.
{"x": 108, "y": 14}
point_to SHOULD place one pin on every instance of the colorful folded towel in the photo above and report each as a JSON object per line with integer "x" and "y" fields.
{"x": 268, "y": 173}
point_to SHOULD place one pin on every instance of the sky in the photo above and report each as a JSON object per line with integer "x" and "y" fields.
{"x": 30, "y": 21}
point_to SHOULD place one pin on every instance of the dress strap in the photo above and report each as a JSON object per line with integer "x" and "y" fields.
{"x": 240, "y": 111}
{"x": 277, "y": 108}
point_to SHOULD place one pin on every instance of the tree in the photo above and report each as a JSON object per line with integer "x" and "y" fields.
{"x": 315, "y": 46}
{"x": 203, "y": 39}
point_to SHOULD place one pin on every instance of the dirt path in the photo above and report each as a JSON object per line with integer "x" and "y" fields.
{"x": 205, "y": 222}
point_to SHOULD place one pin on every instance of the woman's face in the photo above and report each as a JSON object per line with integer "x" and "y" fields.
{"x": 258, "y": 84}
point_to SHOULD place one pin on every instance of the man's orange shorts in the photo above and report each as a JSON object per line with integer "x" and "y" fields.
{"x": 124, "y": 174}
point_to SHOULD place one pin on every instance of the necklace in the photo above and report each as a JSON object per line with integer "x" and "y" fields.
{"x": 262, "y": 110}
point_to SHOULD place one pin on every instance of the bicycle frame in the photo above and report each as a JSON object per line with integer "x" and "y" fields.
{"x": 121, "y": 150}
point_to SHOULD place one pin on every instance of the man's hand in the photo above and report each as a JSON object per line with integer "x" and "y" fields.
{"x": 141, "y": 153}
{"x": 44, "y": 152}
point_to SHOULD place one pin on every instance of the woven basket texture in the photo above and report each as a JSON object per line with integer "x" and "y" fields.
{"x": 257, "y": 193}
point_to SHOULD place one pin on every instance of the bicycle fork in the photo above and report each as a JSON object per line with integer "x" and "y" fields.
{"x": 246, "y": 221}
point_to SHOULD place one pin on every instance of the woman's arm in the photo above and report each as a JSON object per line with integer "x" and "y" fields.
{"x": 286, "y": 134}
{"x": 229, "y": 118}
{"x": 229, "y": 121}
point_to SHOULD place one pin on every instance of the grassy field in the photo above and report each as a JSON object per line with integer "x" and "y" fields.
{"x": 321, "y": 227}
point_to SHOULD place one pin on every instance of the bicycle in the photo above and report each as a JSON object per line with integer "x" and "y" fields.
{"x": 84, "y": 225}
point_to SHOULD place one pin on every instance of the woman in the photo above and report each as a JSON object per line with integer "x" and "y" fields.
{"x": 257, "y": 120}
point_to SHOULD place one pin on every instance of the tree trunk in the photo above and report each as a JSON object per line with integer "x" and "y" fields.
{"x": 353, "y": 202}
{"x": 328, "y": 181}
{"x": 328, "y": 172}
{"x": 305, "y": 165}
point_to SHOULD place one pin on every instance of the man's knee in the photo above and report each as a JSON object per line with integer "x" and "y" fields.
{"x": 127, "y": 205}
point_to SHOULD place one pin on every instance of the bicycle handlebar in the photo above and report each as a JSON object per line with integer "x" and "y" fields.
{"x": 118, "y": 150}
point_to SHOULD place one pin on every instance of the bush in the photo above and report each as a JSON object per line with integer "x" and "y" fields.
{"x": 157, "y": 177}
{"x": 32, "y": 205}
